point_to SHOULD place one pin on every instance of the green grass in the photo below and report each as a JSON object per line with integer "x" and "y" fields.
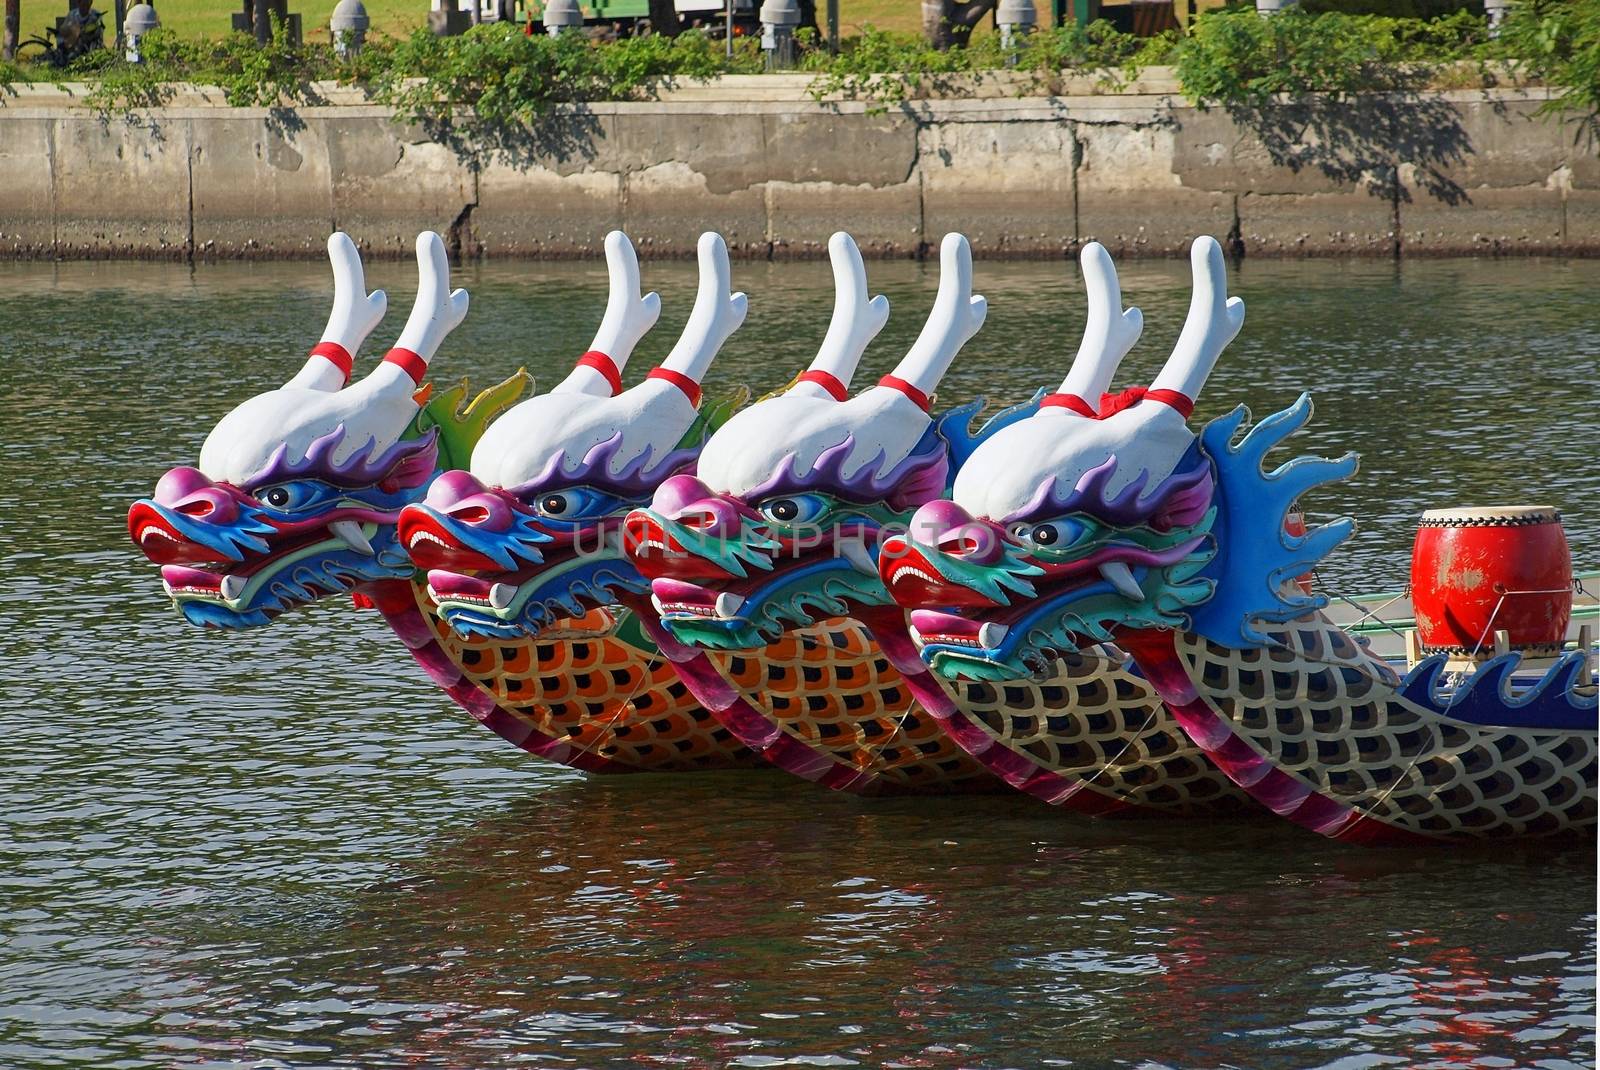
{"x": 397, "y": 18}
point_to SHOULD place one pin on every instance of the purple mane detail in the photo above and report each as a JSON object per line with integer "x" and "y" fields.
{"x": 407, "y": 463}
{"x": 918, "y": 479}
{"x": 1177, "y": 502}
{"x": 638, "y": 477}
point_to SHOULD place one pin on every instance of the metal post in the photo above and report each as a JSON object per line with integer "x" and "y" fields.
{"x": 1496, "y": 10}
{"x": 141, "y": 20}
{"x": 778, "y": 20}
{"x": 833, "y": 27}
{"x": 560, "y": 16}
{"x": 1014, "y": 18}
{"x": 348, "y": 26}
{"x": 728, "y": 25}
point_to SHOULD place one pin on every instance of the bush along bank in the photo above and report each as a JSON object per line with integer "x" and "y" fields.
{"x": 498, "y": 76}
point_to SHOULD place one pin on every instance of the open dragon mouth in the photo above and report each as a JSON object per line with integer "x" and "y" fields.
{"x": 567, "y": 583}
{"x": 973, "y": 622}
{"x": 747, "y": 591}
{"x": 253, "y": 569}
{"x": 296, "y": 570}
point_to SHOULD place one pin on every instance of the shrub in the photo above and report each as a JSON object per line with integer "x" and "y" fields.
{"x": 1558, "y": 42}
{"x": 1236, "y": 57}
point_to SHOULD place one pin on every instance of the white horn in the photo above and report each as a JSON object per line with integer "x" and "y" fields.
{"x": 628, "y": 318}
{"x": 436, "y": 313}
{"x": 355, "y": 314}
{"x": 1109, "y": 333}
{"x": 956, "y": 317}
{"x": 856, "y": 322}
{"x": 716, "y": 314}
{"x": 1214, "y": 320}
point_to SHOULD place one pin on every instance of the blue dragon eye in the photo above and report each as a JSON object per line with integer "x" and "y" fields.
{"x": 576, "y": 503}
{"x": 291, "y": 496}
{"x": 1052, "y": 535}
{"x": 794, "y": 508}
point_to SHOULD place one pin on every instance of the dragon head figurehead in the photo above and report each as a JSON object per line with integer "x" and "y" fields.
{"x": 298, "y": 489}
{"x": 781, "y": 523}
{"x": 532, "y": 533}
{"x": 1085, "y": 518}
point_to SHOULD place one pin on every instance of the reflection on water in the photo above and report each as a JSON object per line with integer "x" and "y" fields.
{"x": 285, "y": 848}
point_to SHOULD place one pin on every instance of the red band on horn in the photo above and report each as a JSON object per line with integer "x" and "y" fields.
{"x": 410, "y": 363}
{"x": 690, "y": 388}
{"x": 828, "y": 382}
{"x": 1071, "y": 402}
{"x": 1183, "y": 403}
{"x": 1111, "y": 404}
{"x": 917, "y": 397}
{"x": 335, "y": 354}
{"x": 605, "y": 366}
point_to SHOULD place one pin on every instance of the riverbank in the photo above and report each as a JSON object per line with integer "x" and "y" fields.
{"x": 1426, "y": 173}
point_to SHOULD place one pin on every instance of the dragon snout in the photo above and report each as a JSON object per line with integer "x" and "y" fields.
{"x": 952, "y": 530}
{"x": 169, "y": 527}
{"x": 938, "y": 561}
{"x": 190, "y": 492}
{"x": 461, "y": 525}
{"x": 689, "y": 503}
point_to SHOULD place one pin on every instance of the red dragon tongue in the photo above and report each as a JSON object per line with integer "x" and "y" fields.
{"x": 449, "y": 584}
{"x": 933, "y": 625}
{"x": 677, "y": 594}
{"x": 182, "y": 578}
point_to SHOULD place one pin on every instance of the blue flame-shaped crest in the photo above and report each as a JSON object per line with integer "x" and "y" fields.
{"x": 1256, "y": 558}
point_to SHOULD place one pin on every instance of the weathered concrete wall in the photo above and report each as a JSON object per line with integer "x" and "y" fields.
{"x": 776, "y": 173}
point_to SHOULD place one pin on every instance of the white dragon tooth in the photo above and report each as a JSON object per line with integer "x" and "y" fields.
{"x": 991, "y": 635}
{"x": 1118, "y": 575}
{"x": 728, "y": 603}
{"x": 501, "y": 594}
{"x": 350, "y": 531}
{"x": 854, "y": 552}
{"x": 232, "y": 587}
{"x": 661, "y": 608}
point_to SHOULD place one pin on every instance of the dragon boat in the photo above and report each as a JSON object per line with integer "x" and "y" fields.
{"x": 777, "y": 536}
{"x": 1112, "y": 522}
{"x": 298, "y": 494}
{"x": 538, "y": 523}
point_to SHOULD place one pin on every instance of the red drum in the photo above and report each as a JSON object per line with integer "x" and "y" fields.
{"x": 1477, "y": 571}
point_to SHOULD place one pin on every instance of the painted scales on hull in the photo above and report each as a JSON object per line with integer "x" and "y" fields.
{"x": 299, "y": 495}
{"x": 1113, "y": 522}
{"x": 784, "y": 523}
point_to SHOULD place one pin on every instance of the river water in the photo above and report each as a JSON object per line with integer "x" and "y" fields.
{"x": 286, "y": 848}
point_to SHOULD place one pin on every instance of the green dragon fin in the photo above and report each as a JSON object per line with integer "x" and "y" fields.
{"x": 461, "y": 426}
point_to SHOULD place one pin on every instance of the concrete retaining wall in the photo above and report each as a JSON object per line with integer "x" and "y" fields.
{"x": 776, "y": 173}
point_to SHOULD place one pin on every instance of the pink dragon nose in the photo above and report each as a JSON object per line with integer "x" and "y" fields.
{"x": 694, "y": 505}
{"x": 461, "y": 497}
{"x": 956, "y": 532}
{"x": 676, "y": 492}
{"x": 190, "y": 492}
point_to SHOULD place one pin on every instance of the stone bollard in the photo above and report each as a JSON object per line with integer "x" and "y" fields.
{"x": 1496, "y": 10}
{"x": 348, "y": 25}
{"x": 1016, "y": 18}
{"x": 562, "y": 15}
{"x": 142, "y": 18}
{"x": 778, "y": 20}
